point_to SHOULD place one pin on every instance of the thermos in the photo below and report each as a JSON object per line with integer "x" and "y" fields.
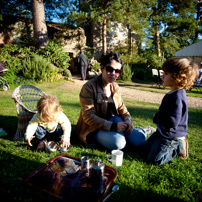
{"x": 95, "y": 174}
{"x": 85, "y": 164}
{"x": 98, "y": 174}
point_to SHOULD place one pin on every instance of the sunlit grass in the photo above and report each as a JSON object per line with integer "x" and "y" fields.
{"x": 138, "y": 181}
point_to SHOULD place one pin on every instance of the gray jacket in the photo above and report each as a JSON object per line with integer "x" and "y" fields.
{"x": 83, "y": 60}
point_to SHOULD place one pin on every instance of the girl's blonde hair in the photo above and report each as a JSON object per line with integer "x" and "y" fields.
{"x": 183, "y": 71}
{"x": 48, "y": 108}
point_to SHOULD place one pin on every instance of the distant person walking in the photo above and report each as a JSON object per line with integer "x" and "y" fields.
{"x": 83, "y": 61}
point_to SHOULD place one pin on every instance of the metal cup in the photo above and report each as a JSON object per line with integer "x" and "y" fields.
{"x": 85, "y": 162}
{"x": 51, "y": 146}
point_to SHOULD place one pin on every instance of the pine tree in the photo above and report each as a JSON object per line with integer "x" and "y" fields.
{"x": 135, "y": 15}
{"x": 100, "y": 10}
{"x": 172, "y": 26}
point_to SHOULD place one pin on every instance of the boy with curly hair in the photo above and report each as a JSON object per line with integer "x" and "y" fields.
{"x": 171, "y": 120}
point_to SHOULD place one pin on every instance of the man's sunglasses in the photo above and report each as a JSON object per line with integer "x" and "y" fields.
{"x": 111, "y": 69}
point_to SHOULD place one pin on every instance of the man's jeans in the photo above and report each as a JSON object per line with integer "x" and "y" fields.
{"x": 162, "y": 150}
{"x": 83, "y": 72}
{"x": 42, "y": 134}
{"x": 115, "y": 140}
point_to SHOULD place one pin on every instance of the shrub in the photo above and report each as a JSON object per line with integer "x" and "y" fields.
{"x": 67, "y": 73}
{"x": 89, "y": 51}
{"x": 39, "y": 69}
{"x": 22, "y": 80}
{"x": 142, "y": 73}
{"x": 10, "y": 76}
{"x": 8, "y": 56}
{"x": 132, "y": 59}
{"x": 56, "y": 55}
{"x": 96, "y": 66}
{"x": 126, "y": 73}
{"x": 24, "y": 61}
{"x": 52, "y": 75}
{"x": 154, "y": 61}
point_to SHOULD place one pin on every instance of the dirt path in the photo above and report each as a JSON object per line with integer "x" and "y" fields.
{"x": 146, "y": 96}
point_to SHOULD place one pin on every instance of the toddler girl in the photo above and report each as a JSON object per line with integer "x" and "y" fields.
{"x": 49, "y": 123}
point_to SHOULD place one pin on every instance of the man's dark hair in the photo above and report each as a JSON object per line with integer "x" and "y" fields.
{"x": 110, "y": 55}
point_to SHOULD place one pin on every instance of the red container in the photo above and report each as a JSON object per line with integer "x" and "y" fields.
{"x": 70, "y": 187}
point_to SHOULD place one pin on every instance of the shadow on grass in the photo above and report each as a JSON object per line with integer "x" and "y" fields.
{"x": 9, "y": 124}
{"x": 13, "y": 170}
{"x": 195, "y": 117}
{"x": 137, "y": 194}
{"x": 138, "y": 112}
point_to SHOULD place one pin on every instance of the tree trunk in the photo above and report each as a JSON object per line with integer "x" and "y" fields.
{"x": 157, "y": 42}
{"x": 198, "y": 17}
{"x": 130, "y": 41}
{"x": 156, "y": 34}
{"x": 104, "y": 35}
{"x": 39, "y": 23}
{"x": 104, "y": 29}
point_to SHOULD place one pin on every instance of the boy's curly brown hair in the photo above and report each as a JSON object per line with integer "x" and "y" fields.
{"x": 183, "y": 71}
{"x": 48, "y": 108}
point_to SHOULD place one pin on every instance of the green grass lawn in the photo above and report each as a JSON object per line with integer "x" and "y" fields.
{"x": 175, "y": 181}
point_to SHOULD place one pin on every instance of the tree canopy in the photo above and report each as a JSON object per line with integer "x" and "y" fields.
{"x": 164, "y": 26}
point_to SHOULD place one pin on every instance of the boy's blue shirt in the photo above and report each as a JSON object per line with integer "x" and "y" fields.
{"x": 172, "y": 117}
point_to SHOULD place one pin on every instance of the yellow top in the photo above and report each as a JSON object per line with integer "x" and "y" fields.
{"x": 49, "y": 126}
